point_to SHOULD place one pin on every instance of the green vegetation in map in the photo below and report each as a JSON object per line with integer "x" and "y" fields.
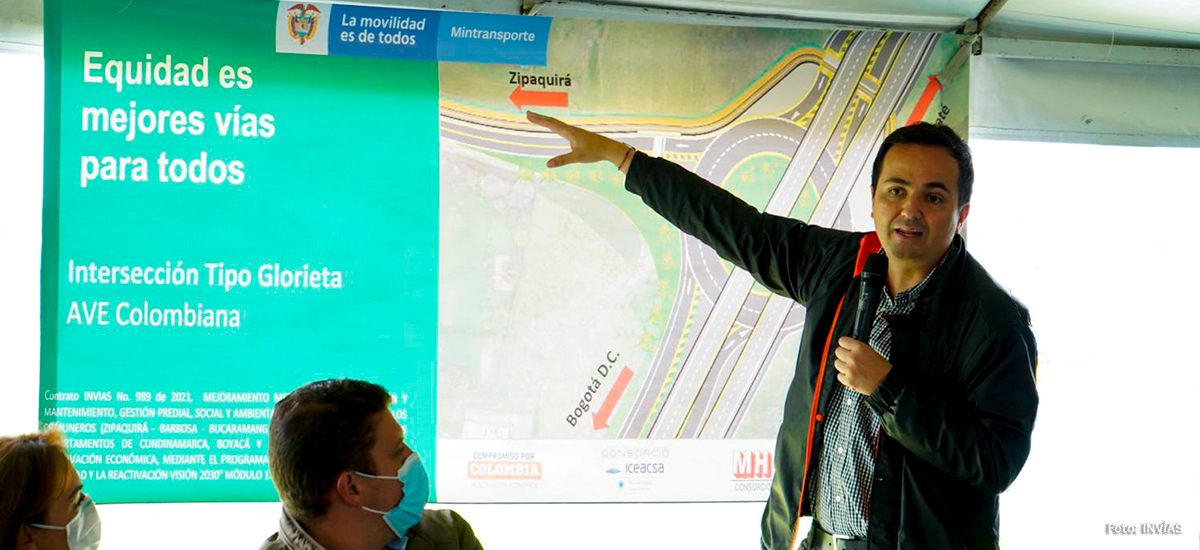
{"x": 807, "y": 203}
{"x": 661, "y": 238}
{"x": 550, "y": 277}
{"x": 753, "y": 180}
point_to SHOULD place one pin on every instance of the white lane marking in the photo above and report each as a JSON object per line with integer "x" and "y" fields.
{"x": 740, "y": 374}
{"x": 717, "y": 162}
{"x": 738, "y": 285}
{"x": 749, "y": 363}
{"x": 701, "y": 257}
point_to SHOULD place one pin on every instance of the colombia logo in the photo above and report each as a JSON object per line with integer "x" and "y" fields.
{"x": 302, "y": 22}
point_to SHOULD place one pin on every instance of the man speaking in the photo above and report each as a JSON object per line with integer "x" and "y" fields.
{"x": 904, "y": 437}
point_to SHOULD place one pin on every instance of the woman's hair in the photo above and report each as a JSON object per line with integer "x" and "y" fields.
{"x": 34, "y": 471}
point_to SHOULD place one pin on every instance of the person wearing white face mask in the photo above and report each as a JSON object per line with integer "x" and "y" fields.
{"x": 347, "y": 479}
{"x": 42, "y": 505}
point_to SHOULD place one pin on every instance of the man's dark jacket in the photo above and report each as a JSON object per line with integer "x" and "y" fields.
{"x": 957, "y": 408}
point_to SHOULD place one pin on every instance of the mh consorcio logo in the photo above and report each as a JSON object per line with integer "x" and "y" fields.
{"x": 302, "y": 22}
{"x": 753, "y": 465}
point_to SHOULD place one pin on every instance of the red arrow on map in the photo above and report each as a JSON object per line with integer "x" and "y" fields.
{"x": 523, "y": 98}
{"x": 931, "y": 90}
{"x": 600, "y": 418}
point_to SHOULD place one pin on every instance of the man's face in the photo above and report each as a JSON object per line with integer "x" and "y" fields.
{"x": 390, "y": 452}
{"x": 915, "y": 204}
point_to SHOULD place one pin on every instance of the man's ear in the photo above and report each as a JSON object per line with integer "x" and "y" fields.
{"x": 962, "y": 216}
{"x": 348, "y": 490}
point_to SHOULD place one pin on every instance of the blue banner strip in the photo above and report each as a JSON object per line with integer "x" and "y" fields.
{"x": 364, "y": 31}
{"x": 484, "y": 38}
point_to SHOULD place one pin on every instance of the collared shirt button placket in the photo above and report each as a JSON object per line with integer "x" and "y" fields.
{"x": 856, "y": 426}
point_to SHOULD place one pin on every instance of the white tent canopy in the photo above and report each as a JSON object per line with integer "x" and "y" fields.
{"x": 1085, "y": 102}
{"x": 1128, "y": 22}
{"x": 1158, "y": 23}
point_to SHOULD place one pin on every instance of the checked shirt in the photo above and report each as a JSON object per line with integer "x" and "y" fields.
{"x": 841, "y": 492}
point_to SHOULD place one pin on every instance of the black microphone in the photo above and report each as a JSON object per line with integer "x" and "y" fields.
{"x": 874, "y": 276}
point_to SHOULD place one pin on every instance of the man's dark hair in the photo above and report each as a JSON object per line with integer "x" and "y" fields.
{"x": 317, "y": 432}
{"x": 924, "y": 133}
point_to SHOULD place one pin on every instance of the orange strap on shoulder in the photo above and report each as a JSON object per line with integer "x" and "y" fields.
{"x": 868, "y": 245}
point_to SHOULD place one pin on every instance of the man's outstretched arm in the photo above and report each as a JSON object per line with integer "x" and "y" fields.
{"x": 785, "y": 255}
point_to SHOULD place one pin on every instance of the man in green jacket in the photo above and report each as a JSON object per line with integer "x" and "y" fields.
{"x": 904, "y": 441}
{"x": 347, "y": 479}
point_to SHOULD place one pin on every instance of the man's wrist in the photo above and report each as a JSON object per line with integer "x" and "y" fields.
{"x": 885, "y": 395}
{"x": 619, "y": 154}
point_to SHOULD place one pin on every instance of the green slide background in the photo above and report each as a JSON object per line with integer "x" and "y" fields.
{"x": 348, "y": 182}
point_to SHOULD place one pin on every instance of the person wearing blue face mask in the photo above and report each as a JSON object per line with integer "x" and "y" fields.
{"x": 42, "y": 504}
{"x": 348, "y": 480}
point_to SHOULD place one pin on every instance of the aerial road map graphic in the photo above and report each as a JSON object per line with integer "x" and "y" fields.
{"x": 587, "y": 349}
